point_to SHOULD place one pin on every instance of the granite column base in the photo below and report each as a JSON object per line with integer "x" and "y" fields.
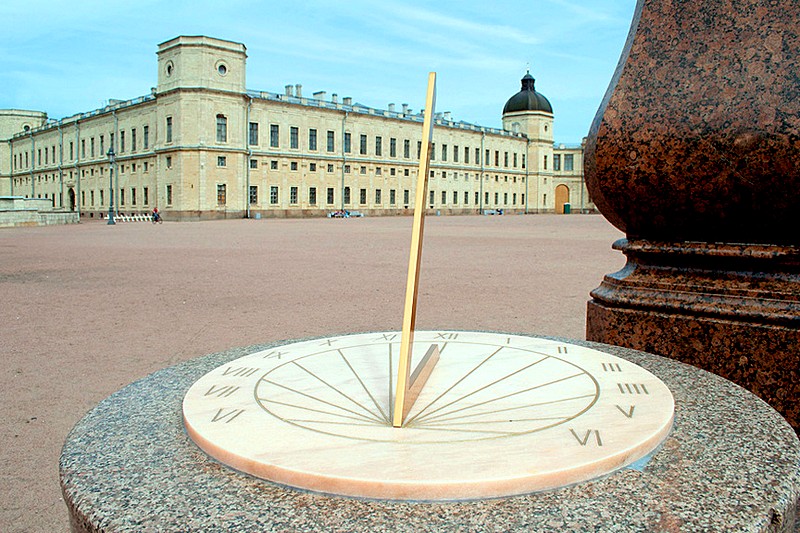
{"x": 733, "y": 310}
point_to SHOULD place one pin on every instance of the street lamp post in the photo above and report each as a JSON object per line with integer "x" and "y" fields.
{"x": 111, "y": 161}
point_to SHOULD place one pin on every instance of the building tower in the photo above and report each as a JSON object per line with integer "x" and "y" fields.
{"x": 530, "y": 113}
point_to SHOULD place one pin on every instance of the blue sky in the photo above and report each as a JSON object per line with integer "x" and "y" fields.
{"x": 69, "y": 56}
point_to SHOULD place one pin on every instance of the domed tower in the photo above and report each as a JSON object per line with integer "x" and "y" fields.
{"x": 530, "y": 113}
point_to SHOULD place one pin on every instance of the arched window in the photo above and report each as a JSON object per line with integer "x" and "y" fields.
{"x": 222, "y": 129}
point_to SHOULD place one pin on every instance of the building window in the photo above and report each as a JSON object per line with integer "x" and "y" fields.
{"x": 83, "y": 149}
{"x": 121, "y": 141}
{"x": 102, "y": 197}
{"x": 433, "y": 151}
{"x": 406, "y": 148}
{"x": 515, "y": 160}
{"x": 523, "y": 160}
{"x": 514, "y": 199}
{"x": 392, "y": 147}
{"x": 363, "y": 145}
{"x": 478, "y": 155}
{"x": 221, "y": 194}
{"x": 568, "y": 162}
{"x": 455, "y": 197}
{"x": 431, "y": 194}
{"x": 477, "y": 197}
{"x": 556, "y": 162}
{"x": 378, "y": 196}
{"x": 312, "y": 140}
{"x": 497, "y": 198}
{"x": 274, "y": 134}
{"x": 92, "y": 197}
{"x": 347, "y": 169}
{"x": 331, "y": 141}
{"x": 505, "y": 198}
{"x": 122, "y": 197}
{"x": 273, "y": 164}
{"x": 419, "y": 148}
{"x": 330, "y": 195}
{"x": 253, "y": 133}
{"x": 505, "y": 159}
{"x": 169, "y": 131}
{"x": 293, "y": 195}
{"x": 222, "y": 161}
{"x": 254, "y": 163}
{"x": 312, "y": 167}
{"x": 294, "y": 141}
{"x": 466, "y": 198}
{"x": 497, "y": 158}
{"x": 466, "y": 155}
{"x": 545, "y": 162}
{"x": 405, "y": 197}
{"x": 293, "y": 165}
{"x": 522, "y": 199}
{"x": 444, "y": 197}
{"x": 406, "y": 172}
{"x": 363, "y": 169}
{"x": 444, "y": 152}
{"x": 253, "y": 194}
{"x": 146, "y": 137}
{"x": 392, "y": 171}
{"x": 222, "y": 129}
{"x": 91, "y": 151}
{"x": 273, "y": 194}
{"x": 363, "y": 196}
{"x": 455, "y": 154}
{"x": 146, "y": 195}
{"x": 347, "y": 195}
{"x": 168, "y": 161}
{"x": 330, "y": 167}
{"x": 71, "y": 152}
{"x": 312, "y": 195}
{"x": 347, "y": 146}
{"x": 378, "y": 145}
{"x": 133, "y": 195}
{"x": 133, "y": 140}
{"x": 392, "y": 197}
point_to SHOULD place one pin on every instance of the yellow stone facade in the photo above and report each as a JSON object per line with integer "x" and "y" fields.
{"x": 203, "y": 146}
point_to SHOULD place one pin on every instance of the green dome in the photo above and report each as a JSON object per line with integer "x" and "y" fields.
{"x": 527, "y": 99}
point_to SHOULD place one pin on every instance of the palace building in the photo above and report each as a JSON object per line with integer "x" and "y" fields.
{"x": 202, "y": 146}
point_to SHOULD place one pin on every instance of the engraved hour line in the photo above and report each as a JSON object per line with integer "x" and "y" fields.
{"x": 502, "y": 397}
{"x": 632, "y": 388}
{"x": 359, "y": 417}
{"x": 391, "y": 386}
{"x": 371, "y": 397}
{"x": 628, "y": 413}
{"x": 364, "y": 417}
{"x": 240, "y": 371}
{"x": 221, "y": 392}
{"x": 328, "y": 342}
{"x": 465, "y": 376}
{"x": 611, "y": 367}
{"x": 585, "y": 440}
{"x": 560, "y": 348}
{"x": 448, "y": 423}
{"x": 227, "y": 417}
{"x": 495, "y": 382}
{"x": 514, "y": 408}
{"x": 310, "y": 373}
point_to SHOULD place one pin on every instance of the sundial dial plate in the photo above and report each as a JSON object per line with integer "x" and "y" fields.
{"x": 500, "y": 415}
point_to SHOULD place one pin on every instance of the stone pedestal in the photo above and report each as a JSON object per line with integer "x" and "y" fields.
{"x": 731, "y": 463}
{"x": 695, "y": 155}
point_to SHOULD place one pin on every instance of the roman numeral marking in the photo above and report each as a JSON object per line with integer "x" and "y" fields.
{"x": 274, "y": 353}
{"x": 240, "y": 371}
{"x": 447, "y": 336}
{"x": 387, "y": 337}
{"x": 562, "y": 349}
{"x": 611, "y": 367}
{"x": 629, "y": 412}
{"x": 585, "y": 440}
{"x": 221, "y": 392}
{"x": 227, "y": 417}
{"x": 632, "y": 388}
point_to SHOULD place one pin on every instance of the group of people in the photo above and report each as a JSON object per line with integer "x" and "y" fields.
{"x": 342, "y": 213}
{"x": 155, "y": 215}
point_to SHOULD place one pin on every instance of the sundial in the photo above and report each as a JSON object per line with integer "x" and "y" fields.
{"x": 428, "y": 415}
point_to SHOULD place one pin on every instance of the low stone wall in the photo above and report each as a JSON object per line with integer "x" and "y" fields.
{"x": 31, "y": 217}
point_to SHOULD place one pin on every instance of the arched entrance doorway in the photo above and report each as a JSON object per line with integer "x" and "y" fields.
{"x": 562, "y": 197}
{"x": 71, "y": 199}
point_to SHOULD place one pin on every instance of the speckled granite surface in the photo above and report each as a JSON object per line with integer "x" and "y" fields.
{"x": 731, "y": 463}
{"x": 695, "y": 154}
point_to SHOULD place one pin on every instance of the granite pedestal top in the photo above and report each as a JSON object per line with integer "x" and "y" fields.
{"x": 731, "y": 463}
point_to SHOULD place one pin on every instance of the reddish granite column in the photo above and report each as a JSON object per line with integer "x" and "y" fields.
{"x": 695, "y": 155}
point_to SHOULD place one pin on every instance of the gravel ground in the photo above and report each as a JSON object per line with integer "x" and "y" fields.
{"x": 87, "y": 309}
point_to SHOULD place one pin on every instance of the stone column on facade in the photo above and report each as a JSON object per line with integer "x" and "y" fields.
{"x": 695, "y": 155}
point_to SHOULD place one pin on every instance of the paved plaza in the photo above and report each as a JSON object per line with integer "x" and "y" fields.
{"x": 87, "y": 309}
